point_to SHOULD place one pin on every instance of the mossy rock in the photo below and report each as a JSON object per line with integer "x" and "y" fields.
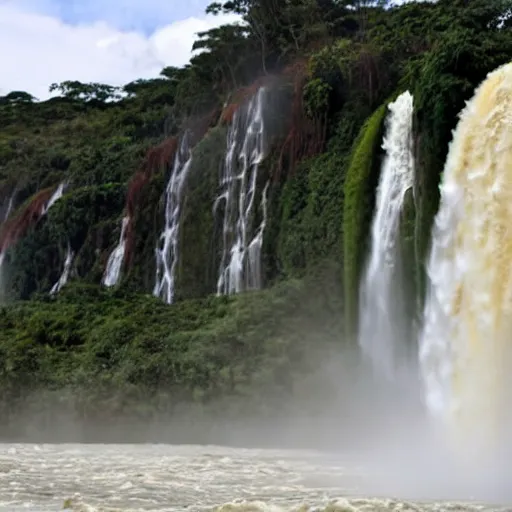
{"x": 360, "y": 185}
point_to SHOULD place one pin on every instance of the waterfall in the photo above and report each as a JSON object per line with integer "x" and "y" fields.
{"x": 10, "y": 205}
{"x": 116, "y": 258}
{"x": 382, "y": 316}
{"x": 59, "y": 192}
{"x": 167, "y": 252}
{"x": 65, "y": 272}
{"x": 247, "y": 146}
{"x": 467, "y": 327}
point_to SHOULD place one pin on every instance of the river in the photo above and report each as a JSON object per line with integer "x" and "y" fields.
{"x": 144, "y": 477}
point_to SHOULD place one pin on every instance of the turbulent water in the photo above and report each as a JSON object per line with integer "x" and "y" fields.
{"x": 383, "y": 314}
{"x": 465, "y": 343}
{"x": 247, "y": 146}
{"x": 186, "y": 478}
{"x": 167, "y": 252}
{"x": 116, "y": 258}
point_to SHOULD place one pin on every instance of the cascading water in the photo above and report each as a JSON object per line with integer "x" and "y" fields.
{"x": 382, "y": 316}
{"x": 247, "y": 146}
{"x": 466, "y": 338}
{"x": 115, "y": 261}
{"x": 59, "y": 192}
{"x": 10, "y": 205}
{"x": 65, "y": 272}
{"x": 168, "y": 251}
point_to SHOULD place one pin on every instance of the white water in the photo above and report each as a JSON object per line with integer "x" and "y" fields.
{"x": 116, "y": 258}
{"x": 167, "y": 253}
{"x": 9, "y": 206}
{"x": 65, "y": 272}
{"x": 59, "y": 192}
{"x": 247, "y": 146}
{"x": 466, "y": 339}
{"x": 382, "y": 312}
{"x": 108, "y": 478}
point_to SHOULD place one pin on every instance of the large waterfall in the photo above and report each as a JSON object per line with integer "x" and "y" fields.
{"x": 247, "y": 146}
{"x": 466, "y": 339}
{"x": 116, "y": 258}
{"x": 168, "y": 250}
{"x": 383, "y": 316}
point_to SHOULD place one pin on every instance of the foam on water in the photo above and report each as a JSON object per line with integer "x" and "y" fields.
{"x": 183, "y": 478}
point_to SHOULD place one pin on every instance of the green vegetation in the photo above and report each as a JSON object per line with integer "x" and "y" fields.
{"x": 198, "y": 265}
{"x": 358, "y": 206}
{"x": 119, "y": 353}
{"x": 333, "y": 66}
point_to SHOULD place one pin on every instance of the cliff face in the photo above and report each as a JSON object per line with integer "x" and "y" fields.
{"x": 228, "y": 185}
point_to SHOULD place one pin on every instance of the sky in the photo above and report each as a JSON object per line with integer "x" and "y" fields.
{"x": 107, "y": 41}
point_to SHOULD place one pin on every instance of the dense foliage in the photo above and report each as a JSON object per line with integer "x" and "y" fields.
{"x": 336, "y": 63}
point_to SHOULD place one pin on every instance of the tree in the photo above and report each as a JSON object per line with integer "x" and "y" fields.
{"x": 16, "y": 97}
{"x": 227, "y": 45}
{"x": 151, "y": 91}
{"x": 280, "y": 26}
{"x": 78, "y": 91}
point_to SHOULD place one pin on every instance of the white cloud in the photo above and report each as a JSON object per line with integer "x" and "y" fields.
{"x": 122, "y": 14}
{"x": 37, "y": 50}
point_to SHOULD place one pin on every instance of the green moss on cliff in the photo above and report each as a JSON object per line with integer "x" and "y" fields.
{"x": 358, "y": 206}
{"x": 312, "y": 200}
{"x": 200, "y": 231}
{"x": 140, "y": 264}
{"x": 85, "y": 218}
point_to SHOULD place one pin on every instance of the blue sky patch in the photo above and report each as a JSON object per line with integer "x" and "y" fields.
{"x": 141, "y": 15}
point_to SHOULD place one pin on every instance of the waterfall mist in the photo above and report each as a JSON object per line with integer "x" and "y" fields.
{"x": 451, "y": 436}
{"x": 465, "y": 344}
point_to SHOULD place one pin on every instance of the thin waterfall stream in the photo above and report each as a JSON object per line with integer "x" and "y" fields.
{"x": 167, "y": 252}
{"x": 382, "y": 316}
